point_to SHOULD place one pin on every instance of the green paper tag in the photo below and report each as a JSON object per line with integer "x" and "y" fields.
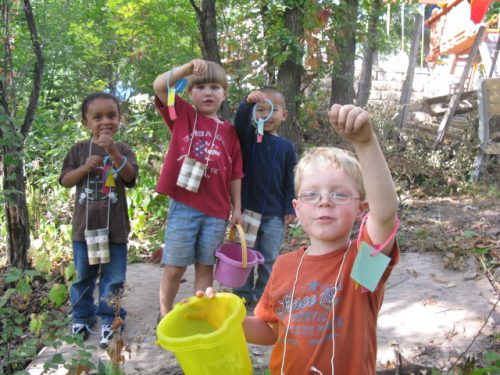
{"x": 368, "y": 270}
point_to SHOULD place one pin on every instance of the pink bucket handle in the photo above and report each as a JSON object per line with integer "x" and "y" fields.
{"x": 244, "y": 255}
{"x": 260, "y": 258}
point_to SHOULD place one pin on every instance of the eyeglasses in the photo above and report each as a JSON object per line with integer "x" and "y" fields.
{"x": 336, "y": 197}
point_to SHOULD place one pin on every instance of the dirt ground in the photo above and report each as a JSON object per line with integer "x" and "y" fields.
{"x": 441, "y": 304}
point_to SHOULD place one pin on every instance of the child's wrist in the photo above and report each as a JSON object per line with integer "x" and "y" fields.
{"x": 121, "y": 165}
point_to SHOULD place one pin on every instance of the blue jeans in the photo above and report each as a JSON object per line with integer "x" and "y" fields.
{"x": 191, "y": 236}
{"x": 111, "y": 282}
{"x": 269, "y": 239}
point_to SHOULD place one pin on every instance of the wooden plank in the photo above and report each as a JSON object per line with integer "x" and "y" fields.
{"x": 492, "y": 149}
{"x": 487, "y": 97}
{"x": 445, "y": 10}
{"x": 426, "y": 132}
{"x": 494, "y": 108}
{"x": 439, "y": 110}
{"x": 455, "y": 98}
{"x": 472, "y": 94}
{"x": 492, "y": 87}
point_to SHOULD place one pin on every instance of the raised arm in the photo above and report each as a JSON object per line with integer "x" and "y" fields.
{"x": 243, "y": 119}
{"x": 353, "y": 123}
{"x": 196, "y": 66}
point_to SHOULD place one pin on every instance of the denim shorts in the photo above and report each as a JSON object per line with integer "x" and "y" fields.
{"x": 191, "y": 236}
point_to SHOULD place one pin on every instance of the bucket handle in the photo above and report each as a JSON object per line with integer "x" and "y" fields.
{"x": 241, "y": 232}
{"x": 260, "y": 257}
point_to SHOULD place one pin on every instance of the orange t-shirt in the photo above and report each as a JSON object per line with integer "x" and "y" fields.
{"x": 309, "y": 340}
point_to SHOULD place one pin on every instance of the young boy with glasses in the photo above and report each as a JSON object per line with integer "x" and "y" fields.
{"x": 320, "y": 306}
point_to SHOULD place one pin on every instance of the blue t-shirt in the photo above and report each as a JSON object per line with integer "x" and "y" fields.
{"x": 268, "y": 167}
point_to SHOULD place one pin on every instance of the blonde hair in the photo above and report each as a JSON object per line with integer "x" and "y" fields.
{"x": 336, "y": 157}
{"x": 215, "y": 73}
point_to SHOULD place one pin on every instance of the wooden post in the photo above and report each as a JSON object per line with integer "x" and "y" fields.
{"x": 408, "y": 83}
{"x": 455, "y": 98}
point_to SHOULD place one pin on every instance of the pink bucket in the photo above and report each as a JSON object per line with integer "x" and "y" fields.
{"x": 235, "y": 261}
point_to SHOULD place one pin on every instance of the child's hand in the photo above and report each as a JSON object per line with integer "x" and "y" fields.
{"x": 255, "y": 97}
{"x": 106, "y": 142}
{"x": 92, "y": 162}
{"x": 209, "y": 292}
{"x": 236, "y": 217}
{"x": 199, "y": 67}
{"x": 350, "y": 122}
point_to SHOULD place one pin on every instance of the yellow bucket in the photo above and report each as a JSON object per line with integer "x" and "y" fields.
{"x": 206, "y": 335}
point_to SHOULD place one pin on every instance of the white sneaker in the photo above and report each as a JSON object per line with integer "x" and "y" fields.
{"x": 107, "y": 334}
{"x": 81, "y": 329}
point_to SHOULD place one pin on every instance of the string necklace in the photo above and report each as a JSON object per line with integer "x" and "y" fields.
{"x": 339, "y": 276}
{"x": 207, "y": 158}
{"x": 87, "y": 190}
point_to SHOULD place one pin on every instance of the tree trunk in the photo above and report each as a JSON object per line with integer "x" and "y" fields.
{"x": 406, "y": 91}
{"x": 369, "y": 51}
{"x": 270, "y": 68}
{"x": 14, "y": 184}
{"x": 290, "y": 76}
{"x": 16, "y": 210}
{"x": 343, "y": 73}
{"x": 207, "y": 24}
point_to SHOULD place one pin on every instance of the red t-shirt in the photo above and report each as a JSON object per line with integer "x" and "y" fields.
{"x": 309, "y": 341}
{"x": 224, "y": 159}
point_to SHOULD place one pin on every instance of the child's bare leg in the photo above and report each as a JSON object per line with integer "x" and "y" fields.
{"x": 169, "y": 286}
{"x": 204, "y": 276}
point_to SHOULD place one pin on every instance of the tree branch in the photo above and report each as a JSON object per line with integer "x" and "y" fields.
{"x": 37, "y": 74}
{"x": 7, "y": 61}
{"x": 195, "y": 7}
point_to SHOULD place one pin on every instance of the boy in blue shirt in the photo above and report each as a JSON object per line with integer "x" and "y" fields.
{"x": 267, "y": 189}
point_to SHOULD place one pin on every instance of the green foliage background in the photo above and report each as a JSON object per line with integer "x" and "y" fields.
{"x": 120, "y": 46}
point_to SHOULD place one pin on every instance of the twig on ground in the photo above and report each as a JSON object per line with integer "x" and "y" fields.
{"x": 476, "y": 335}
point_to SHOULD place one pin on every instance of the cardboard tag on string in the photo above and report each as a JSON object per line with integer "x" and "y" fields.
{"x": 368, "y": 269}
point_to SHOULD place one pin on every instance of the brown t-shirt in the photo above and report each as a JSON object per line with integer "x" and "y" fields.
{"x": 309, "y": 340}
{"x": 90, "y": 192}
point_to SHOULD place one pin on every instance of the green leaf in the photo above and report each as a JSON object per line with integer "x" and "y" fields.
{"x": 31, "y": 274}
{"x": 485, "y": 371}
{"x": 13, "y": 275}
{"x": 11, "y": 160}
{"x": 23, "y": 288}
{"x": 69, "y": 272}
{"x": 101, "y": 367}
{"x": 491, "y": 357}
{"x": 480, "y": 250}
{"x": 58, "y": 358}
{"x": 57, "y": 294}
{"x": 469, "y": 233}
